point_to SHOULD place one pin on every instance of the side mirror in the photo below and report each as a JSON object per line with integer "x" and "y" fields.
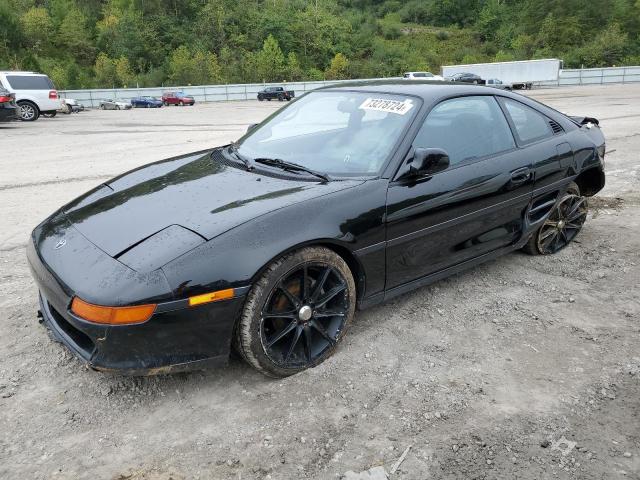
{"x": 252, "y": 126}
{"x": 427, "y": 161}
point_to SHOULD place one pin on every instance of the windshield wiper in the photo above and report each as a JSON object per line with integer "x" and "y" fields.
{"x": 248, "y": 163}
{"x": 284, "y": 165}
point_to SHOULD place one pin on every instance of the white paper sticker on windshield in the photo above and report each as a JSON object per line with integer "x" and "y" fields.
{"x": 384, "y": 105}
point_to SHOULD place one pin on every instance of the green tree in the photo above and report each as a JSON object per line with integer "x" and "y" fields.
{"x": 182, "y": 68}
{"x": 38, "y": 29}
{"x": 105, "y": 71}
{"x": 124, "y": 72}
{"x": 74, "y": 36}
{"x": 294, "y": 70}
{"x": 607, "y": 49}
{"x": 270, "y": 63}
{"x": 207, "y": 68}
{"x": 339, "y": 68}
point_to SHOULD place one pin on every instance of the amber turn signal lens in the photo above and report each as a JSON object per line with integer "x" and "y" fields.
{"x": 211, "y": 297}
{"x": 111, "y": 315}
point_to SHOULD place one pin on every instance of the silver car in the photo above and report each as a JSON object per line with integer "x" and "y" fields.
{"x": 113, "y": 105}
{"x": 495, "y": 83}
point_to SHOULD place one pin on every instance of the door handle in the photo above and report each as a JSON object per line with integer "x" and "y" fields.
{"x": 521, "y": 175}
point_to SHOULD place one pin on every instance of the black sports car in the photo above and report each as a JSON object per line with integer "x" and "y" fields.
{"x": 347, "y": 197}
{"x": 8, "y": 107}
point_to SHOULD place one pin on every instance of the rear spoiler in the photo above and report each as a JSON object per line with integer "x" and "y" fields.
{"x": 585, "y": 120}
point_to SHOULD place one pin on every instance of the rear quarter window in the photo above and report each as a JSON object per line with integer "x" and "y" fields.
{"x": 30, "y": 82}
{"x": 530, "y": 125}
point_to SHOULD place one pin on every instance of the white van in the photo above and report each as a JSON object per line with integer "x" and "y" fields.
{"x": 35, "y": 94}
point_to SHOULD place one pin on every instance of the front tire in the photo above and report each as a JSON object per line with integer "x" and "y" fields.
{"x": 297, "y": 312}
{"x": 562, "y": 226}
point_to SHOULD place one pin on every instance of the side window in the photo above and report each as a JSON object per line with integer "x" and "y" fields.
{"x": 530, "y": 125}
{"x": 466, "y": 128}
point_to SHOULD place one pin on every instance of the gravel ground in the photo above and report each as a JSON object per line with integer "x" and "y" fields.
{"x": 525, "y": 367}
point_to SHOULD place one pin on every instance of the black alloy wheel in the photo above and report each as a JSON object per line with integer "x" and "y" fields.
{"x": 563, "y": 224}
{"x": 297, "y": 313}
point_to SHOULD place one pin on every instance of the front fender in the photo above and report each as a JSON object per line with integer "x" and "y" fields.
{"x": 351, "y": 219}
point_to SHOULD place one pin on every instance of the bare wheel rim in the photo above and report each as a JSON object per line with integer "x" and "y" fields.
{"x": 304, "y": 315}
{"x": 27, "y": 112}
{"x": 563, "y": 224}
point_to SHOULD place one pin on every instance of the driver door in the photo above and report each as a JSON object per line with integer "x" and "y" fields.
{"x": 473, "y": 207}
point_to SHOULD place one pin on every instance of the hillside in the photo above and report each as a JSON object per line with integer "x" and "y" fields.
{"x": 105, "y": 43}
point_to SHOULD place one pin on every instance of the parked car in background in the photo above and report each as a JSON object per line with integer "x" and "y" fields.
{"x": 8, "y": 107}
{"x": 70, "y": 105}
{"x": 422, "y": 76}
{"x": 34, "y": 92}
{"x": 496, "y": 83}
{"x": 177, "y": 98}
{"x": 278, "y": 93}
{"x": 114, "y": 105}
{"x": 466, "y": 77}
{"x": 146, "y": 102}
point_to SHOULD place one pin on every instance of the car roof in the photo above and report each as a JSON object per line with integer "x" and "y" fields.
{"x": 427, "y": 90}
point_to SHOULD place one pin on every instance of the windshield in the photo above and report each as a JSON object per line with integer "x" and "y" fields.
{"x": 339, "y": 132}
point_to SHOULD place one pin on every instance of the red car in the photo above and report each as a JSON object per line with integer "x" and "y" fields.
{"x": 177, "y": 98}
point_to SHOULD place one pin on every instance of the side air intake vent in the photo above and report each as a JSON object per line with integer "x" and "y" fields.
{"x": 555, "y": 126}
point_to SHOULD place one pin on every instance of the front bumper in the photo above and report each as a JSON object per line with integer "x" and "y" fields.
{"x": 176, "y": 338}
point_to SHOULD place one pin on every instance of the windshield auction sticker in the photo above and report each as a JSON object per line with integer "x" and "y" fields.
{"x": 389, "y": 106}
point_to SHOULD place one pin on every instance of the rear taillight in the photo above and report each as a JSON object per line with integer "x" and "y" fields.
{"x": 53, "y": 95}
{"x": 4, "y": 99}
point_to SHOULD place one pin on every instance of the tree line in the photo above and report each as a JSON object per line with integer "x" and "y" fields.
{"x": 116, "y": 43}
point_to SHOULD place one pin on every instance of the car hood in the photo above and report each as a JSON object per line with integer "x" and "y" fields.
{"x": 200, "y": 193}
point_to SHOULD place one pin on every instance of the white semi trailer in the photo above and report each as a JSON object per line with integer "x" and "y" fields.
{"x": 520, "y": 74}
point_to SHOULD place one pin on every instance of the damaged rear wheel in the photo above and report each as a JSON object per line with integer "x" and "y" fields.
{"x": 562, "y": 226}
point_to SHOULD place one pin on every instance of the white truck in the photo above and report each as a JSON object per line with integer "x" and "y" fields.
{"x": 520, "y": 74}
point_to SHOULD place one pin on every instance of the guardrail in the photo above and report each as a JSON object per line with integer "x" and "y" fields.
{"x": 249, "y": 91}
{"x": 594, "y": 76}
{"x": 203, "y": 93}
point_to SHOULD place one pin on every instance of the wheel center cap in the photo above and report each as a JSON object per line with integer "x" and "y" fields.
{"x": 305, "y": 312}
{"x": 561, "y": 224}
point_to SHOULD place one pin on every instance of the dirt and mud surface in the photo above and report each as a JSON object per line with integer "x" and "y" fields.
{"x": 525, "y": 367}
